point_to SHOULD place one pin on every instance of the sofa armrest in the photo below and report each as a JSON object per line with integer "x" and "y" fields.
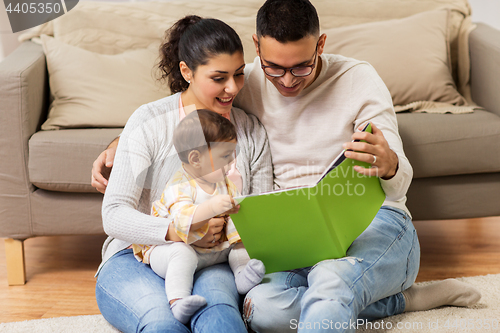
{"x": 23, "y": 96}
{"x": 484, "y": 46}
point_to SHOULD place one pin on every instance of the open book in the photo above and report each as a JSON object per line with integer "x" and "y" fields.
{"x": 301, "y": 226}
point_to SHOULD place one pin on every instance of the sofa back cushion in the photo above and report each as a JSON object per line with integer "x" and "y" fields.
{"x": 110, "y": 27}
{"x": 410, "y": 54}
{"x": 116, "y": 29}
{"x": 97, "y": 90}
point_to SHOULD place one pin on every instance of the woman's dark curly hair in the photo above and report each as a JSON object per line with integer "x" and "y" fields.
{"x": 194, "y": 40}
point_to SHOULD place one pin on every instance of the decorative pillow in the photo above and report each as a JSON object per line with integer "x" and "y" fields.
{"x": 114, "y": 27}
{"x": 97, "y": 90}
{"x": 410, "y": 54}
{"x": 111, "y": 28}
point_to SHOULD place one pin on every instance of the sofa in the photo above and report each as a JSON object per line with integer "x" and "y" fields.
{"x": 452, "y": 142}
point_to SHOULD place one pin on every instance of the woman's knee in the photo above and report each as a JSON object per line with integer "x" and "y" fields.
{"x": 211, "y": 318}
{"x": 159, "y": 321}
{"x": 131, "y": 296}
{"x": 154, "y": 316}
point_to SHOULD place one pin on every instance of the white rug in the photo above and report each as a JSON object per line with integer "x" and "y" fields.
{"x": 79, "y": 324}
{"x": 451, "y": 319}
{"x": 484, "y": 317}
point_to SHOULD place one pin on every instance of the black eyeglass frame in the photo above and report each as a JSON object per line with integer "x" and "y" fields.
{"x": 290, "y": 68}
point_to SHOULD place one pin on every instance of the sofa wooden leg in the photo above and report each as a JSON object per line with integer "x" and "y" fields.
{"x": 16, "y": 268}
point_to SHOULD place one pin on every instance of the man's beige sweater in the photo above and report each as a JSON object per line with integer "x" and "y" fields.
{"x": 306, "y": 132}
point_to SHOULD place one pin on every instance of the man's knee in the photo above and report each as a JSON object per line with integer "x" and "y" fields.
{"x": 271, "y": 307}
{"x": 336, "y": 273}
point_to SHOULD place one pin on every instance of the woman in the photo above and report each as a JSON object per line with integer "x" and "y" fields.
{"x": 203, "y": 62}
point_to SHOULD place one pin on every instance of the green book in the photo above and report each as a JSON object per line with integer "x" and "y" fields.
{"x": 301, "y": 226}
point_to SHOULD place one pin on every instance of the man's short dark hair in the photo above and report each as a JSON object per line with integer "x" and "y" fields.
{"x": 287, "y": 20}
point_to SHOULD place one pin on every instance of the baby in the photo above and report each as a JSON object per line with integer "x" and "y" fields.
{"x": 205, "y": 142}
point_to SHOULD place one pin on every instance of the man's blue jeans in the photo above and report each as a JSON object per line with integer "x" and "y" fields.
{"x": 132, "y": 298}
{"x": 332, "y": 295}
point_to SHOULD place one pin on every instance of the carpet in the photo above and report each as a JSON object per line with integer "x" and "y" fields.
{"x": 78, "y": 324}
{"x": 480, "y": 318}
{"x": 483, "y": 317}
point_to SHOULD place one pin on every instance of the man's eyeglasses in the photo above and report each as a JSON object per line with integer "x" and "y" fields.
{"x": 299, "y": 71}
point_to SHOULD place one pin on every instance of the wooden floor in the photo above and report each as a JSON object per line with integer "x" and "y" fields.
{"x": 60, "y": 270}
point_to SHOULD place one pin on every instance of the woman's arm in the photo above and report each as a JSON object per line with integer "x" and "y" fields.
{"x": 122, "y": 216}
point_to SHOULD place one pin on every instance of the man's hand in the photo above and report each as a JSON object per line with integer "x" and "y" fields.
{"x": 101, "y": 168}
{"x": 375, "y": 151}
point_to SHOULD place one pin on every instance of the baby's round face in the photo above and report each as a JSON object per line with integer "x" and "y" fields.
{"x": 216, "y": 162}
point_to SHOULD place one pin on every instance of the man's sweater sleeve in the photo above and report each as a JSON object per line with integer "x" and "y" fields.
{"x": 373, "y": 101}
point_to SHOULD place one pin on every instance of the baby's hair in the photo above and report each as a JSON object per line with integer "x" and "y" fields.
{"x": 188, "y": 135}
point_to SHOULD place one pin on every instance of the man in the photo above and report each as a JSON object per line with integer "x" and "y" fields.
{"x": 311, "y": 105}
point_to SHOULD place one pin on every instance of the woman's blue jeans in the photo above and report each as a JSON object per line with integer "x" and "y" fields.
{"x": 132, "y": 298}
{"x": 332, "y": 295}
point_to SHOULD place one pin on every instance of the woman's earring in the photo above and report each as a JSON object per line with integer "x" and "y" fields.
{"x": 188, "y": 81}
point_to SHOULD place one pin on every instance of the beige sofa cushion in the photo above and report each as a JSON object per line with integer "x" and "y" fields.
{"x": 96, "y": 90}
{"x": 445, "y": 145}
{"x": 410, "y": 54}
{"x": 62, "y": 160}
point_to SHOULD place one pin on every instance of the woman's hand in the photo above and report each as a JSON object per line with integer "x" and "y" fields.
{"x": 375, "y": 151}
{"x": 214, "y": 233}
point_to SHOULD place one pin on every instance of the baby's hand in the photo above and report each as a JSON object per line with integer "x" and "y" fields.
{"x": 221, "y": 204}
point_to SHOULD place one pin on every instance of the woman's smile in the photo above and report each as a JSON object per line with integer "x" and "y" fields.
{"x": 225, "y": 101}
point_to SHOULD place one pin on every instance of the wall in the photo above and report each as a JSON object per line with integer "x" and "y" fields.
{"x": 487, "y": 11}
{"x": 8, "y": 40}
